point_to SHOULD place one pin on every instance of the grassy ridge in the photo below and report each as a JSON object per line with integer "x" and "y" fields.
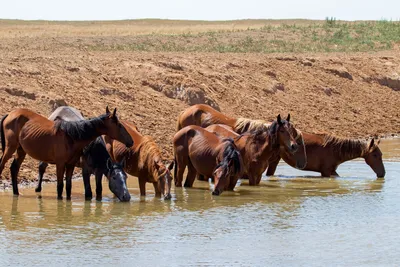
{"x": 328, "y": 36}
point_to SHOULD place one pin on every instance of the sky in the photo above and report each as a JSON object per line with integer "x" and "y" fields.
{"x": 199, "y": 9}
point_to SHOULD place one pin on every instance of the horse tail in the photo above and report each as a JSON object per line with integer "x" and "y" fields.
{"x": 175, "y": 168}
{"x": 178, "y": 122}
{"x": 3, "y": 138}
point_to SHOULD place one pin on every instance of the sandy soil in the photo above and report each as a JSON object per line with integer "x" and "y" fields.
{"x": 353, "y": 95}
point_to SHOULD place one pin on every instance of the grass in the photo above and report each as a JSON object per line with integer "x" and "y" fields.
{"x": 245, "y": 36}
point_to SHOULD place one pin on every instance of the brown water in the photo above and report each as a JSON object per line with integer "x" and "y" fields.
{"x": 288, "y": 220}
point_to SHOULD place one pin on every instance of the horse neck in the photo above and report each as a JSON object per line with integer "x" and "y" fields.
{"x": 350, "y": 149}
{"x": 147, "y": 162}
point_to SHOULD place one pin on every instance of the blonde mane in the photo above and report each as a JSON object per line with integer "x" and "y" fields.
{"x": 346, "y": 147}
{"x": 247, "y": 125}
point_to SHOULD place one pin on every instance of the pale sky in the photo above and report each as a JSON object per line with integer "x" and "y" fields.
{"x": 199, "y": 9}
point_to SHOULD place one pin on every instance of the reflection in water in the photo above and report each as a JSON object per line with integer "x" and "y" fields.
{"x": 288, "y": 220}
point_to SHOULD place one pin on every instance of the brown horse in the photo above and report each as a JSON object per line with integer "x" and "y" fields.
{"x": 206, "y": 154}
{"x": 204, "y": 116}
{"x": 60, "y": 143}
{"x": 258, "y": 147}
{"x": 326, "y": 152}
{"x": 143, "y": 160}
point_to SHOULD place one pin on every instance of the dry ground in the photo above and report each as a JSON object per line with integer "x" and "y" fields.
{"x": 348, "y": 94}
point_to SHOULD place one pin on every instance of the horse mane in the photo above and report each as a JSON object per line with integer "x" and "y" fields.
{"x": 230, "y": 154}
{"x": 345, "y": 147}
{"x": 267, "y": 131}
{"x": 80, "y": 130}
{"x": 247, "y": 125}
{"x": 149, "y": 152}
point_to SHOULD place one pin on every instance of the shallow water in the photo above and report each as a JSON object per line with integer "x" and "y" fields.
{"x": 291, "y": 219}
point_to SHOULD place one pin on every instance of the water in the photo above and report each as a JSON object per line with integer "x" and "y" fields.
{"x": 291, "y": 219}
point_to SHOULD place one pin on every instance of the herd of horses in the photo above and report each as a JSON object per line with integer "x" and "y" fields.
{"x": 208, "y": 144}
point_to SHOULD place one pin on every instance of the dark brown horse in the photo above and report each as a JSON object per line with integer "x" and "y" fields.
{"x": 205, "y": 153}
{"x": 204, "y": 116}
{"x": 60, "y": 143}
{"x": 258, "y": 147}
{"x": 326, "y": 152}
{"x": 95, "y": 160}
{"x": 143, "y": 160}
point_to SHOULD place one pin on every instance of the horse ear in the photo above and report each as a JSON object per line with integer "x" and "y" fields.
{"x": 288, "y": 118}
{"x": 371, "y": 144}
{"x": 109, "y": 164}
{"x": 279, "y": 120}
{"x": 107, "y": 110}
{"x": 115, "y": 113}
{"x": 379, "y": 141}
{"x": 171, "y": 165}
{"x": 123, "y": 163}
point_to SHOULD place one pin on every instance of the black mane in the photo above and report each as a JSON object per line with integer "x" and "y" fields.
{"x": 81, "y": 130}
{"x": 230, "y": 153}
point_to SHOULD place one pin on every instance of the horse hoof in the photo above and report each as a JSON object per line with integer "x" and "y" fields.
{"x": 59, "y": 197}
{"x": 68, "y": 198}
{"x": 38, "y": 189}
{"x": 89, "y": 198}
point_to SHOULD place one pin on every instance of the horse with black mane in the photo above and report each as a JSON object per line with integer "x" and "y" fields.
{"x": 57, "y": 142}
{"x": 206, "y": 154}
{"x": 204, "y": 115}
{"x": 95, "y": 160}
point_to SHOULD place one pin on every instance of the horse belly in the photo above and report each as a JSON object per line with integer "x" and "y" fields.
{"x": 40, "y": 147}
{"x": 203, "y": 164}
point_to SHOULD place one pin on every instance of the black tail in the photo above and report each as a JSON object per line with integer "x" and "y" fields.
{"x": 175, "y": 168}
{"x": 3, "y": 138}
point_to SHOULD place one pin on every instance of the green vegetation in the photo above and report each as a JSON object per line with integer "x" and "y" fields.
{"x": 328, "y": 36}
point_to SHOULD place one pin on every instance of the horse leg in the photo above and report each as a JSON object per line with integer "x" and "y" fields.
{"x": 60, "y": 169}
{"x": 272, "y": 164}
{"x": 335, "y": 174}
{"x": 14, "y": 169}
{"x": 69, "y": 170}
{"x": 201, "y": 177}
{"x": 157, "y": 190}
{"x": 142, "y": 186}
{"x": 86, "y": 182}
{"x": 181, "y": 166}
{"x": 8, "y": 152}
{"x": 252, "y": 180}
{"x": 191, "y": 175}
{"x": 42, "y": 170}
{"x": 99, "y": 185}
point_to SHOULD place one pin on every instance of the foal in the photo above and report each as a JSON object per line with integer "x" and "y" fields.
{"x": 58, "y": 143}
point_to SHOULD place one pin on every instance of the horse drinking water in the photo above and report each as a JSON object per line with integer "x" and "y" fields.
{"x": 60, "y": 143}
{"x": 95, "y": 160}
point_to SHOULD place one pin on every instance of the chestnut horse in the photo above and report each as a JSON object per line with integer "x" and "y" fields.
{"x": 206, "y": 154}
{"x": 258, "y": 147}
{"x": 95, "y": 160}
{"x": 58, "y": 143}
{"x": 326, "y": 152}
{"x": 143, "y": 160}
{"x": 203, "y": 115}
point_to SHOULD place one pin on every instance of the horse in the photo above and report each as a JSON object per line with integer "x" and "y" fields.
{"x": 258, "y": 147}
{"x": 57, "y": 142}
{"x": 203, "y": 115}
{"x": 205, "y": 153}
{"x": 143, "y": 160}
{"x": 95, "y": 160}
{"x": 326, "y": 152}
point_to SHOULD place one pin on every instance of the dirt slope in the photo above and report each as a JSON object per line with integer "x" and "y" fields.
{"x": 353, "y": 95}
